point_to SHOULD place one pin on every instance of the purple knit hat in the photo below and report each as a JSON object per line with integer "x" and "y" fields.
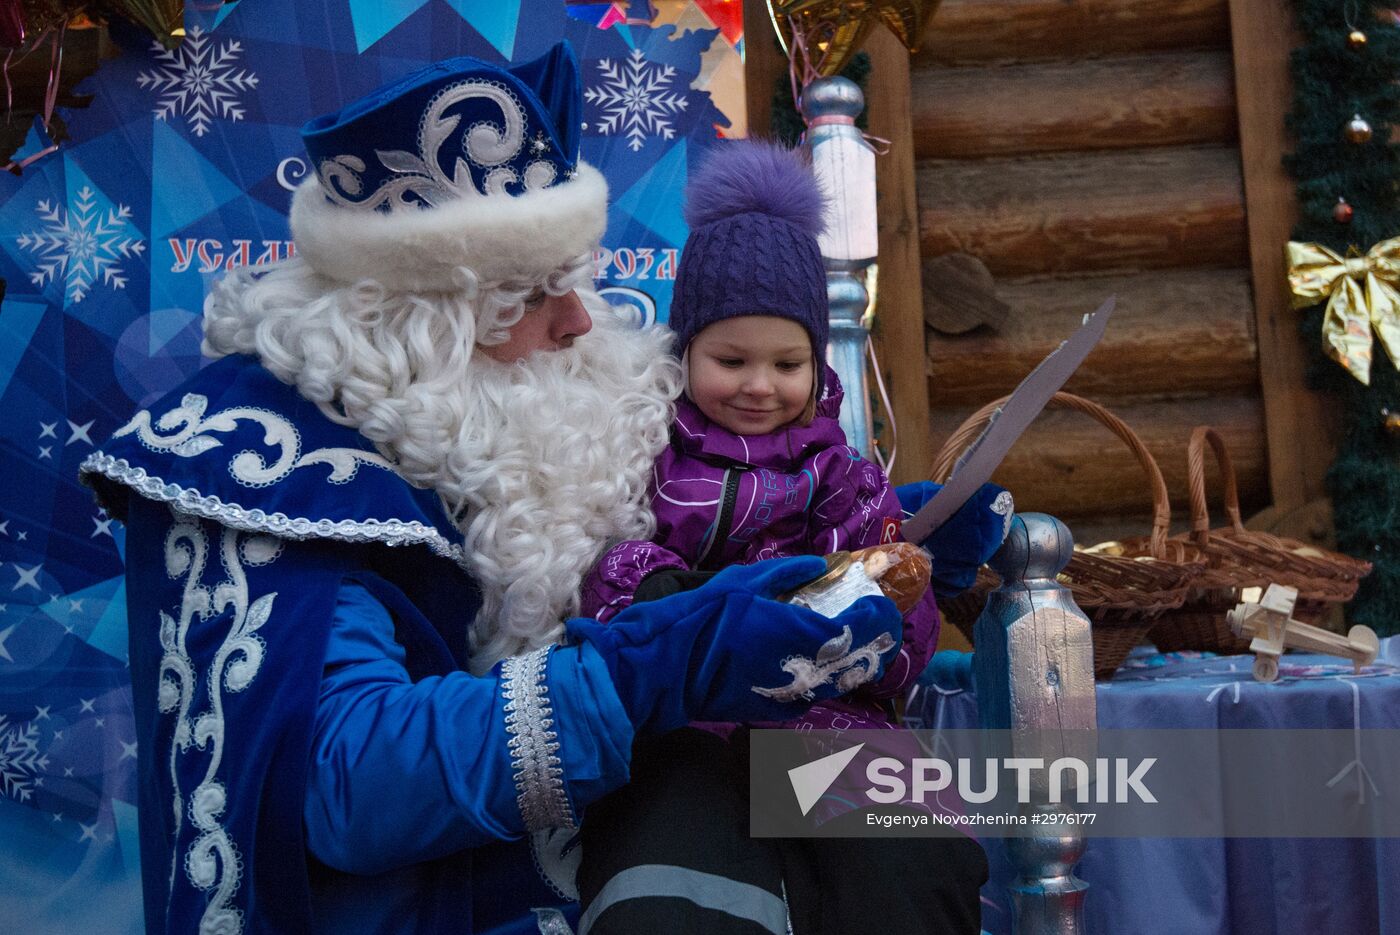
{"x": 754, "y": 210}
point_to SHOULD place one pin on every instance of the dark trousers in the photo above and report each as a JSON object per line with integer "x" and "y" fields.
{"x": 670, "y": 852}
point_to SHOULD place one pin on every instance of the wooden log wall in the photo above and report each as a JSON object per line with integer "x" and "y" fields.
{"x": 1081, "y": 149}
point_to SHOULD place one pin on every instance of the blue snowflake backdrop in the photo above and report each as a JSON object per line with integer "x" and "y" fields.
{"x": 182, "y": 168}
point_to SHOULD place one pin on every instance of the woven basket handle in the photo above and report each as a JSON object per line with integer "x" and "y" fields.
{"x": 1196, "y": 478}
{"x": 967, "y": 433}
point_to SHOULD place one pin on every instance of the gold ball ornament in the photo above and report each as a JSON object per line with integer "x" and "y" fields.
{"x": 1356, "y": 40}
{"x": 1357, "y": 130}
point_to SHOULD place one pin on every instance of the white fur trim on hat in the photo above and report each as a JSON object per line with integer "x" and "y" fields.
{"x": 499, "y": 236}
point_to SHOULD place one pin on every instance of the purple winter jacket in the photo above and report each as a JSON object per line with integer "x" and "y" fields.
{"x": 798, "y": 491}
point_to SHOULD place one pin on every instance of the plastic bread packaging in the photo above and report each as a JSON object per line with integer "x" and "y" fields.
{"x": 902, "y": 570}
{"x": 898, "y": 570}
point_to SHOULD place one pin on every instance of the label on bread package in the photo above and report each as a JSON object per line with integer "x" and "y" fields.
{"x": 829, "y": 595}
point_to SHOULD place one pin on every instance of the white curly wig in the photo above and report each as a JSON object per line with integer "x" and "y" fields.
{"x": 543, "y": 463}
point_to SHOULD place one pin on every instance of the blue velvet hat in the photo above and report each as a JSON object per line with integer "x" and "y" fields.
{"x": 460, "y": 164}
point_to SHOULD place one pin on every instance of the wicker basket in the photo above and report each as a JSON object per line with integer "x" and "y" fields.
{"x": 1237, "y": 558}
{"x": 1122, "y": 594}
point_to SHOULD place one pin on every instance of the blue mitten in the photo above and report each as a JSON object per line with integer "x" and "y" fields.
{"x": 965, "y": 542}
{"x": 727, "y": 651}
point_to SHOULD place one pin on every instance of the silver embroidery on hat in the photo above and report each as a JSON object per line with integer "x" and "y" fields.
{"x": 484, "y": 144}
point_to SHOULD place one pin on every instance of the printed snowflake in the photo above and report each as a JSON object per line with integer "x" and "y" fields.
{"x": 20, "y": 761}
{"x": 83, "y": 246}
{"x": 197, "y": 81}
{"x": 635, "y": 100}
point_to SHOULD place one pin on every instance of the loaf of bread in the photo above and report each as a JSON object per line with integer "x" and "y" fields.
{"x": 901, "y": 568}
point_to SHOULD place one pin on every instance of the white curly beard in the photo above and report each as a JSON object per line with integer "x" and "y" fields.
{"x": 555, "y": 468}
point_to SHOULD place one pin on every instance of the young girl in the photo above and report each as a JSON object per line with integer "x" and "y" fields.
{"x": 758, "y": 467}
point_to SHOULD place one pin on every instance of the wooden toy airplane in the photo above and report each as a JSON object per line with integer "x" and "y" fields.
{"x": 1270, "y": 622}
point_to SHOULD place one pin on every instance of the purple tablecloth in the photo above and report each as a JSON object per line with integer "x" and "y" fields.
{"x": 1162, "y": 886}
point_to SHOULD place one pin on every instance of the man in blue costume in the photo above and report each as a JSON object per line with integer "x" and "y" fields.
{"x": 355, "y": 541}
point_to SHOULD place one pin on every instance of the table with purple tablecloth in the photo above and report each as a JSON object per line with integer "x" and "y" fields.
{"x": 1193, "y": 886}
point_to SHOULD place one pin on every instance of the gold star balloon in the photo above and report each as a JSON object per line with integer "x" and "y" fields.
{"x": 827, "y": 33}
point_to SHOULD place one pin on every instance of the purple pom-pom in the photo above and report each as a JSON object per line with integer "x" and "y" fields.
{"x": 756, "y": 177}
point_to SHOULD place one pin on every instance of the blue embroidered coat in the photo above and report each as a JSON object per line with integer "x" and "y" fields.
{"x": 313, "y": 754}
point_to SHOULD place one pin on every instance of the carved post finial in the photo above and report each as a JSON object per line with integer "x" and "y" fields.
{"x": 1034, "y": 672}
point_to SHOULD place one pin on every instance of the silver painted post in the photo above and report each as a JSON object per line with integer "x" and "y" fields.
{"x": 846, "y": 353}
{"x": 1034, "y": 675}
{"x": 844, "y": 164}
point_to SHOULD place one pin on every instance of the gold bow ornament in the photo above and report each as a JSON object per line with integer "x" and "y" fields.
{"x": 1361, "y": 295}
